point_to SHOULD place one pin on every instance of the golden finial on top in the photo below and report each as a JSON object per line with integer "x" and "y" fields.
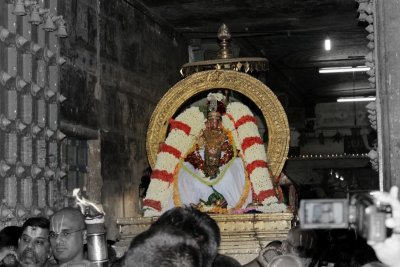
{"x": 224, "y": 36}
{"x": 223, "y": 32}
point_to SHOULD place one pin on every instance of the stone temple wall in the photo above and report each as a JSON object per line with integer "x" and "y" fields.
{"x": 74, "y": 111}
{"x": 120, "y": 62}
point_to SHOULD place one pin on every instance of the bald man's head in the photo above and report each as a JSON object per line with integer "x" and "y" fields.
{"x": 72, "y": 214}
{"x": 67, "y": 235}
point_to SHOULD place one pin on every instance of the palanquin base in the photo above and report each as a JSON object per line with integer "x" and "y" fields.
{"x": 242, "y": 236}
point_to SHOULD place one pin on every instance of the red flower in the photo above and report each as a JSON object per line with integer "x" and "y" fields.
{"x": 256, "y": 164}
{"x": 180, "y": 125}
{"x": 244, "y": 120}
{"x": 170, "y": 149}
{"x": 264, "y": 194}
{"x": 162, "y": 175}
{"x": 155, "y": 204}
{"x": 249, "y": 141}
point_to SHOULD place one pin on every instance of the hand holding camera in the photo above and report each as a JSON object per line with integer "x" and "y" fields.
{"x": 375, "y": 216}
{"x": 388, "y": 250}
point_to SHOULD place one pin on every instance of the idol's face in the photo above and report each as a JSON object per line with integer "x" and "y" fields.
{"x": 34, "y": 247}
{"x": 213, "y": 123}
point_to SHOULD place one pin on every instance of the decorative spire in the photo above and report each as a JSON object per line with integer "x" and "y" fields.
{"x": 225, "y": 59}
{"x": 225, "y": 42}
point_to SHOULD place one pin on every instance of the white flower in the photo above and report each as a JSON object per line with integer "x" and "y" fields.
{"x": 261, "y": 180}
{"x": 179, "y": 140}
{"x": 159, "y": 191}
{"x": 238, "y": 110}
{"x": 149, "y": 212}
{"x": 227, "y": 123}
{"x": 247, "y": 130}
{"x": 194, "y": 118}
{"x": 255, "y": 152}
{"x": 218, "y": 96}
{"x": 166, "y": 162}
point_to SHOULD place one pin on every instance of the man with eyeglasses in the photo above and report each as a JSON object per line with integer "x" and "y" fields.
{"x": 33, "y": 245}
{"x": 67, "y": 237}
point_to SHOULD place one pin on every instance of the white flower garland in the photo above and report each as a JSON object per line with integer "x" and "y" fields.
{"x": 247, "y": 130}
{"x": 228, "y": 124}
{"x": 161, "y": 191}
{"x": 260, "y": 178}
{"x": 158, "y": 190}
{"x": 166, "y": 162}
{"x": 255, "y": 152}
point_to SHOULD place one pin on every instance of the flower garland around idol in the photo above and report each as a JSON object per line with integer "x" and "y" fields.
{"x": 240, "y": 121}
{"x": 244, "y": 124}
{"x": 183, "y": 132}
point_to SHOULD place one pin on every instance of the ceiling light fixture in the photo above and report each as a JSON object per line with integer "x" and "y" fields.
{"x": 327, "y": 44}
{"x": 356, "y": 99}
{"x": 344, "y": 69}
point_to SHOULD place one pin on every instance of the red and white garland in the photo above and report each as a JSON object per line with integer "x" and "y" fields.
{"x": 184, "y": 132}
{"x": 243, "y": 122}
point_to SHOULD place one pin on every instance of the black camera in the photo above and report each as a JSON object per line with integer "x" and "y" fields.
{"x": 361, "y": 213}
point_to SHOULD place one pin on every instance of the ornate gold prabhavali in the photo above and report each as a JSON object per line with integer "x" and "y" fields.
{"x": 259, "y": 93}
{"x": 244, "y": 235}
{"x": 224, "y": 72}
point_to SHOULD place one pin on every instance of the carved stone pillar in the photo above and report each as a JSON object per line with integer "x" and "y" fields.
{"x": 388, "y": 90}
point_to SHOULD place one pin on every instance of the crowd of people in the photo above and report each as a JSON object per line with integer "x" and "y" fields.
{"x": 183, "y": 237}
{"x": 41, "y": 242}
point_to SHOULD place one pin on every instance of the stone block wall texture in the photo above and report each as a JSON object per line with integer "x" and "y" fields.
{"x": 120, "y": 62}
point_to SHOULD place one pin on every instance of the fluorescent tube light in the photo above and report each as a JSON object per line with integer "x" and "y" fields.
{"x": 344, "y": 69}
{"x": 327, "y": 44}
{"x": 356, "y": 99}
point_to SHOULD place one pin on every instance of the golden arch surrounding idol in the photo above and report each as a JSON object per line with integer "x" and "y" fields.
{"x": 262, "y": 96}
{"x": 244, "y": 182}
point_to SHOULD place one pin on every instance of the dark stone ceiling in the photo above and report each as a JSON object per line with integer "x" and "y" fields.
{"x": 289, "y": 33}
